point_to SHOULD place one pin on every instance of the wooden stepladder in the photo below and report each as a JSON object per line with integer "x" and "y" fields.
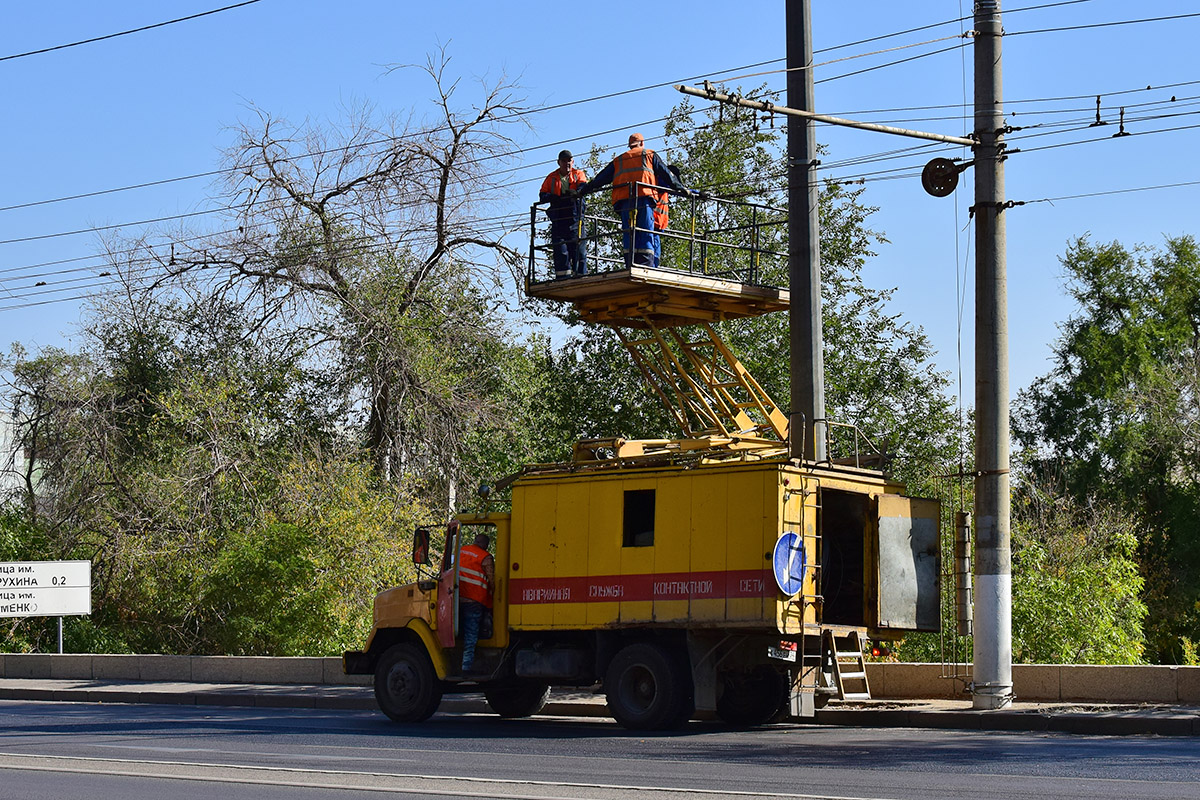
{"x": 844, "y": 660}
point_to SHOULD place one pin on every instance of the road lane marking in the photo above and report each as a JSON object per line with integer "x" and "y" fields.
{"x": 436, "y": 785}
{"x": 265, "y": 753}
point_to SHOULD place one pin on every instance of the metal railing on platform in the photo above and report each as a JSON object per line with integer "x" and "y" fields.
{"x": 706, "y": 235}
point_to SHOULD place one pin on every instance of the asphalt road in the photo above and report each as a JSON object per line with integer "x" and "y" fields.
{"x": 99, "y": 751}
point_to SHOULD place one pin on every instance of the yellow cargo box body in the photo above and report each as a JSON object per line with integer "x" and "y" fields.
{"x": 689, "y": 546}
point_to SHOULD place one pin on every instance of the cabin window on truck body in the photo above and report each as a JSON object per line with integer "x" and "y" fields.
{"x": 639, "y": 518}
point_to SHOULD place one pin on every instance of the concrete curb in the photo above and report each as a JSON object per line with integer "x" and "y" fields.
{"x": 1052, "y": 683}
{"x": 201, "y": 669}
{"x": 1176, "y": 722}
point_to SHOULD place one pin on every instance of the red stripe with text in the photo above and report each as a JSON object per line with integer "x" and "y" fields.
{"x": 635, "y": 588}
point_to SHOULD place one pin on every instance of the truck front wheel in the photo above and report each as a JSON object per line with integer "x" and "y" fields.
{"x": 406, "y": 686}
{"x": 523, "y": 700}
{"x": 647, "y": 688}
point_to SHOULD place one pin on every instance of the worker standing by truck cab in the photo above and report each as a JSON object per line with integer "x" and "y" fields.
{"x": 476, "y": 577}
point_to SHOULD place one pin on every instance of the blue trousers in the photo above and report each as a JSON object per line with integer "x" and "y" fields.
{"x": 476, "y": 621}
{"x": 637, "y": 229}
{"x": 570, "y": 254}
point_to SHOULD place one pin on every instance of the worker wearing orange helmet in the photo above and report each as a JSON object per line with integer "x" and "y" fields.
{"x": 636, "y": 177}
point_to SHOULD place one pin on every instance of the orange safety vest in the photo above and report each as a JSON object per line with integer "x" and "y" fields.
{"x": 553, "y": 183}
{"x": 632, "y": 167}
{"x": 661, "y": 212}
{"x": 472, "y": 580}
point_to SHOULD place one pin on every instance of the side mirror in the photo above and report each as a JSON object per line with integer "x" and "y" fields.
{"x": 420, "y": 551}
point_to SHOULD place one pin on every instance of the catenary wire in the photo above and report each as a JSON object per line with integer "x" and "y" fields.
{"x": 844, "y": 178}
{"x": 213, "y": 173}
{"x": 540, "y": 109}
{"x": 235, "y": 208}
{"x": 10, "y": 307}
{"x": 1107, "y": 192}
{"x": 1113, "y": 24}
{"x": 128, "y": 32}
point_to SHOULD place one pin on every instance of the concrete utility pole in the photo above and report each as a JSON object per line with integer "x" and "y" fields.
{"x": 993, "y": 687}
{"x": 807, "y": 423}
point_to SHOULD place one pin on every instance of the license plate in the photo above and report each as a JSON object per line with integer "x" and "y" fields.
{"x": 781, "y": 653}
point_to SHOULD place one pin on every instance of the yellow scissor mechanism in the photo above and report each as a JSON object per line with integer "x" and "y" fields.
{"x": 704, "y": 386}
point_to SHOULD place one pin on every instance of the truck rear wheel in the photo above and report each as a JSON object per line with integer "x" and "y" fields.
{"x": 406, "y": 686}
{"x": 522, "y": 700}
{"x": 752, "y": 698}
{"x": 647, "y": 689}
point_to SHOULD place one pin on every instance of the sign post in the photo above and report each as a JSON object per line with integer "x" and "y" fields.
{"x": 46, "y": 589}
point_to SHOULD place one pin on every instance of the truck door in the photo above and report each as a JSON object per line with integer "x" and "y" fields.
{"x": 447, "y": 602}
{"x": 907, "y": 565}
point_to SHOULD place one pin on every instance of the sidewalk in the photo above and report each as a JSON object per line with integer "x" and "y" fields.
{"x": 1093, "y": 719}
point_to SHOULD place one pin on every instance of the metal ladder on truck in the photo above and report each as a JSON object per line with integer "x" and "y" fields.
{"x": 810, "y": 659}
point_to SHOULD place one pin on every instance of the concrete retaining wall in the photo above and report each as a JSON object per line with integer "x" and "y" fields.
{"x": 1045, "y": 683}
{"x": 198, "y": 669}
{"x": 1032, "y": 682}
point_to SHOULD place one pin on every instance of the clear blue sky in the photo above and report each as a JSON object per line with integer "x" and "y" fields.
{"x": 158, "y": 104}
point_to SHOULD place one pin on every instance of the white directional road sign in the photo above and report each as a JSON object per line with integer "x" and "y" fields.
{"x": 45, "y": 588}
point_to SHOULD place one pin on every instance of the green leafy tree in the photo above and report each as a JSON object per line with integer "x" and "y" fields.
{"x": 187, "y": 453}
{"x": 1076, "y": 585}
{"x": 1119, "y": 416}
{"x": 370, "y": 234}
{"x": 339, "y": 353}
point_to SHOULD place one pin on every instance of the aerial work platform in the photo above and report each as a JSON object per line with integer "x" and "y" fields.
{"x": 669, "y": 298}
{"x": 714, "y": 254}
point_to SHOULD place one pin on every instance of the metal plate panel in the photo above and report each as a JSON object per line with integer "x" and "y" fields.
{"x": 909, "y": 567}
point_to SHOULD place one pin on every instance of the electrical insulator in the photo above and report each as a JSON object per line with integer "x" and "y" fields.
{"x": 962, "y": 573}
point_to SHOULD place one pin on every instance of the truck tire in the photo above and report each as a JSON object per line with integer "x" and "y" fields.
{"x": 522, "y": 700}
{"x": 647, "y": 689}
{"x": 754, "y": 697}
{"x": 406, "y": 686}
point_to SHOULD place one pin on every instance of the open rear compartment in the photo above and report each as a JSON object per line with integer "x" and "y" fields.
{"x": 843, "y": 518}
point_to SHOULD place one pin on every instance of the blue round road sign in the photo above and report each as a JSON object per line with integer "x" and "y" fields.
{"x": 789, "y": 563}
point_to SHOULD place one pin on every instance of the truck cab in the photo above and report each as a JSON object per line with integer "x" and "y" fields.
{"x": 415, "y": 646}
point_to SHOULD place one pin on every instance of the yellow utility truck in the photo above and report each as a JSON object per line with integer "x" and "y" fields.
{"x": 739, "y": 587}
{"x": 706, "y": 574}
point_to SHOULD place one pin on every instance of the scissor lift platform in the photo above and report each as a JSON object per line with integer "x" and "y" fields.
{"x": 666, "y": 298}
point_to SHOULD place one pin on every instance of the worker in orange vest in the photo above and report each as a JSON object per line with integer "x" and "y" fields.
{"x": 635, "y": 176}
{"x": 476, "y": 577}
{"x": 566, "y": 217}
{"x": 662, "y": 213}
